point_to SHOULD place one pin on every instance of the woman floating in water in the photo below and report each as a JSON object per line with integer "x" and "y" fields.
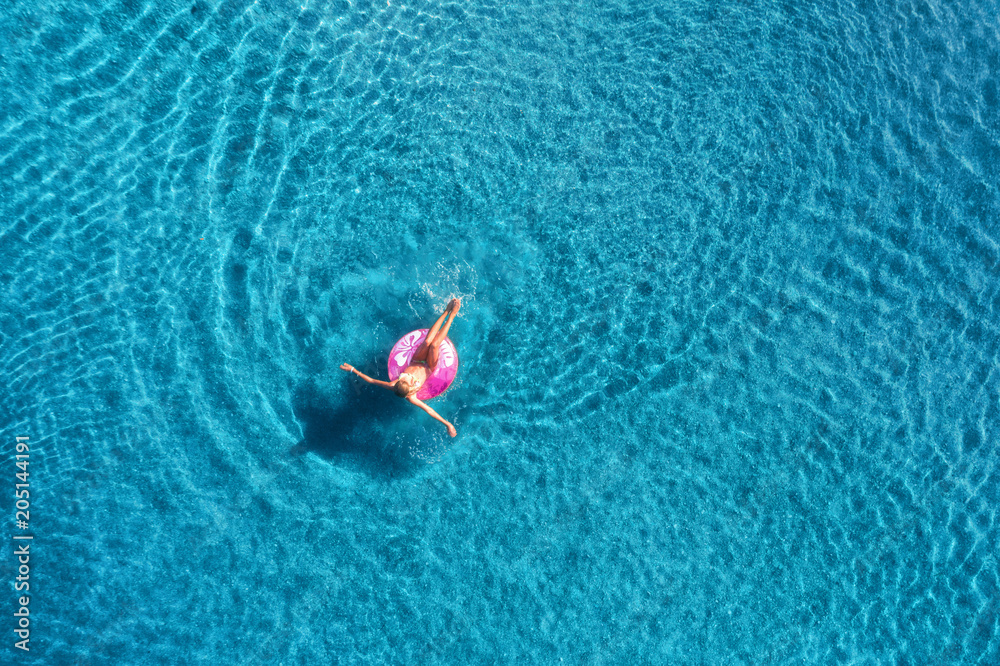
{"x": 422, "y": 365}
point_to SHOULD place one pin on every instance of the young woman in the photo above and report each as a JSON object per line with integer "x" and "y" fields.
{"x": 421, "y": 365}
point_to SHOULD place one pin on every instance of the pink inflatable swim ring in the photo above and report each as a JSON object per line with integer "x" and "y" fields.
{"x": 444, "y": 373}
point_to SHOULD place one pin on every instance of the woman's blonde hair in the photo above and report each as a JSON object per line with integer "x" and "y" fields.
{"x": 401, "y": 388}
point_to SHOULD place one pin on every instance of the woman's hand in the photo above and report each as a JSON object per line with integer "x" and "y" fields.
{"x": 451, "y": 430}
{"x": 347, "y": 366}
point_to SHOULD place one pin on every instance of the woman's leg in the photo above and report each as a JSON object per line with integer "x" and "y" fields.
{"x": 452, "y": 311}
{"x": 428, "y": 348}
{"x": 434, "y": 347}
{"x": 432, "y": 334}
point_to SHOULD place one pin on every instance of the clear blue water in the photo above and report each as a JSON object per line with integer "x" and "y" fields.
{"x": 731, "y": 281}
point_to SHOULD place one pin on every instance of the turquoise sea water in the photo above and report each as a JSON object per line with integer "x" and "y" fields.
{"x": 729, "y": 389}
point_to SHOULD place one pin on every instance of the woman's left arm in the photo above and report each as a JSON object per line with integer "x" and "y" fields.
{"x": 370, "y": 380}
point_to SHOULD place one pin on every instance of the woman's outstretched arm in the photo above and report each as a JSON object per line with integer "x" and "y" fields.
{"x": 370, "y": 380}
{"x": 419, "y": 403}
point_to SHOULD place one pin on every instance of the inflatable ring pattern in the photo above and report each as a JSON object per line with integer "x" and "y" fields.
{"x": 444, "y": 373}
